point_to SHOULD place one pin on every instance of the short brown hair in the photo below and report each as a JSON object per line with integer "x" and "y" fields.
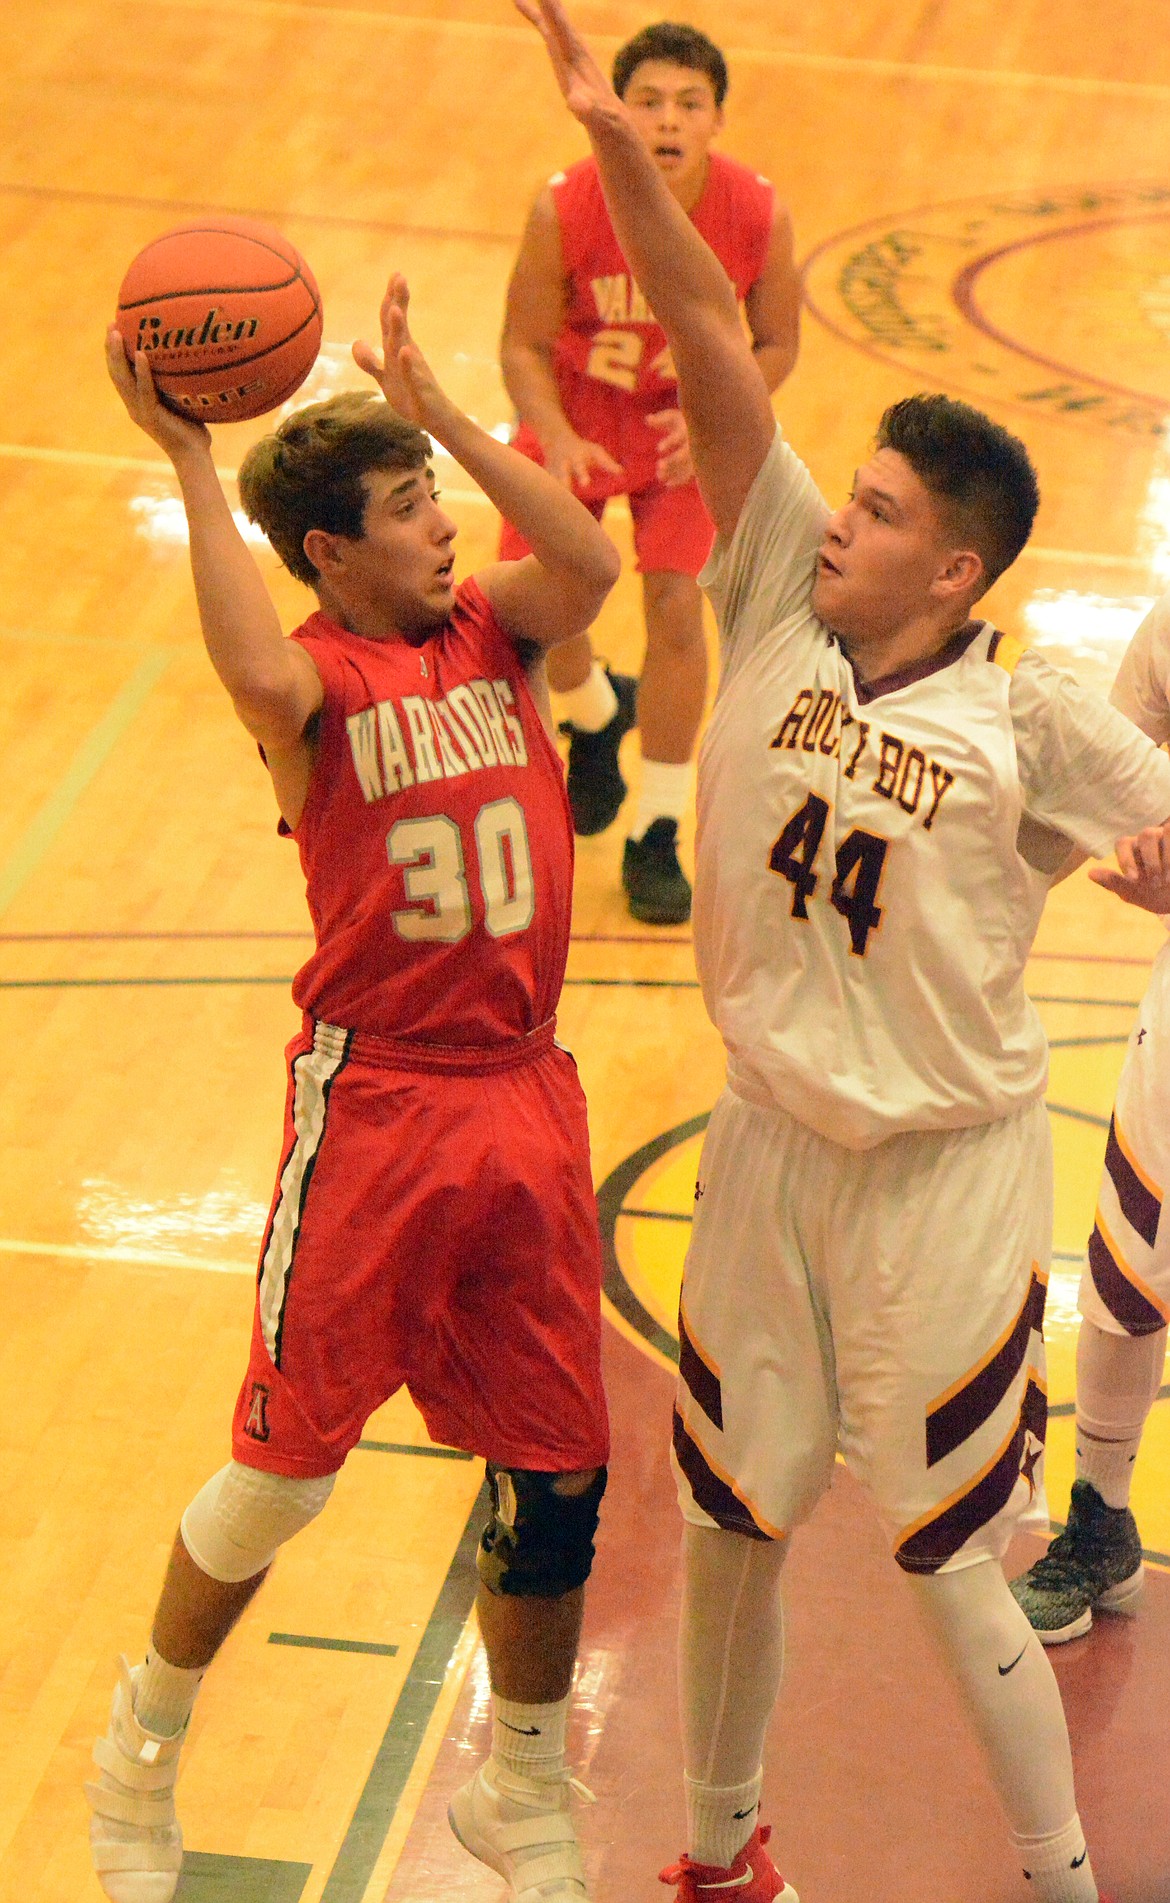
{"x": 310, "y": 473}
{"x": 676, "y": 45}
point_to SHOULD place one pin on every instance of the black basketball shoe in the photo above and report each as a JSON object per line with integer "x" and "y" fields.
{"x": 594, "y": 783}
{"x": 656, "y": 887}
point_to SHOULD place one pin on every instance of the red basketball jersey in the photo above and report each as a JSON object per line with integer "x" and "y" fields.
{"x": 436, "y": 840}
{"x": 610, "y": 336}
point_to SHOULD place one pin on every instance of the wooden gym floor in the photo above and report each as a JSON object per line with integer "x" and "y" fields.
{"x": 982, "y": 196}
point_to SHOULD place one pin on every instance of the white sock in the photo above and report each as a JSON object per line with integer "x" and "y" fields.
{"x": 665, "y": 793}
{"x": 164, "y": 1695}
{"x": 721, "y": 1818}
{"x": 730, "y": 1661}
{"x": 592, "y": 705}
{"x": 1118, "y": 1377}
{"x": 1058, "y": 1865}
{"x": 1009, "y": 1689}
{"x": 529, "y": 1739}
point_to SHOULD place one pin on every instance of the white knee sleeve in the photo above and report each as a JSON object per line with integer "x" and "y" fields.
{"x": 235, "y": 1523}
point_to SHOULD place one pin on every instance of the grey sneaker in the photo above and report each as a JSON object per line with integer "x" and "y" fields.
{"x": 1095, "y": 1565}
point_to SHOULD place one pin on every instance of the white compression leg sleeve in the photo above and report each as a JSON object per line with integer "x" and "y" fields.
{"x": 1011, "y": 1696}
{"x": 235, "y": 1523}
{"x": 731, "y": 1657}
{"x": 1118, "y": 1377}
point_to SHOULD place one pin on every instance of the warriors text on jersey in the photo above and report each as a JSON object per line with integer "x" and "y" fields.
{"x": 609, "y": 336}
{"x": 436, "y": 840}
{"x": 873, "y": 857}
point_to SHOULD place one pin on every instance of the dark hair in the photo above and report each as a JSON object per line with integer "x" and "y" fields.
{"x": 681, "y": 46}
{"x": 980, "y": 473}
{"x": 310, "y": 473}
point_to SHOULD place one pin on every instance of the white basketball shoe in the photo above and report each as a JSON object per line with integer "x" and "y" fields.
{"x": 521, "y": 1828}
{"x": 134, "y": 1835}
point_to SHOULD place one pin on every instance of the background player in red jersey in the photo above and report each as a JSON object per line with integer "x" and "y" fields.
{"x": 434, "y": 1220}
{"x": 591, "y": 377}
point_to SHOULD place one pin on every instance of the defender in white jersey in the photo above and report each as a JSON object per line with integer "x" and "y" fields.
{"x": 882, "y": 806}
{"x": 1095, "y": 1563}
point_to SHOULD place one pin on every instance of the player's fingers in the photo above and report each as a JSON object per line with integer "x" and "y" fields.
{"x": 1111, "y": 880}
{"x": 1126, "y": 859}
{"x": 601, "y": 459}
{"x": 116, "y": 363}
{"x": 144, "y": 380}
{"x": 367, "y": 358}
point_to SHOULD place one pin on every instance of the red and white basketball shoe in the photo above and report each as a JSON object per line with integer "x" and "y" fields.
{"x": 752, "y": 1878}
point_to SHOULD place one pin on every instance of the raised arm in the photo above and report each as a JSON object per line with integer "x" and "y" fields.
{"x": 533, "y": 317}
{"x": 274, "y": 685}
{"x": 557, "y": 590}
{"x": 721, "y": 390}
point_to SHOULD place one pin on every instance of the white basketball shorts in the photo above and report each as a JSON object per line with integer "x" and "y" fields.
{"x": 1125, "y": 1287}
{"x": 888, "y": 1303}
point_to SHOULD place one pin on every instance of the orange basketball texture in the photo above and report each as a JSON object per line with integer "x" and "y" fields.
{"x": 230, "y": 314}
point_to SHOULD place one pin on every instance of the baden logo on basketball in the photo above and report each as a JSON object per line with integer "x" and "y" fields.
{"x": 227, "y": 330}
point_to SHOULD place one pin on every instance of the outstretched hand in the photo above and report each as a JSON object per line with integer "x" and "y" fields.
{"x": 586, "y": 89}
{"x": 402, "y": 373}
{"x": 1144, "y": 875}
{"x": 134, "y": 383}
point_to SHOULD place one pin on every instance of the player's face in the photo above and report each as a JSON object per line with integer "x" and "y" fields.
{"x": 882, "y": 556}
{"x": 674, "y": 109}
{"x": 403, "y": 562}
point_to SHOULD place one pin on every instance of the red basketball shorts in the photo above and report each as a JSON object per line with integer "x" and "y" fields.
{"x": 436, "y": 1229}
{"x": 672, "y": 529}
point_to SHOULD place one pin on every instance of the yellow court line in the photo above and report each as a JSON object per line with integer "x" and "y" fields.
{"x": 424, "y": 1763}
{"x": 143, "y": 1258}
{"x": 736, "y": 55}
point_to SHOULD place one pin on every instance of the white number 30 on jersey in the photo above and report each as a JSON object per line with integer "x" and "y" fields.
{"x": 430, "y": 851}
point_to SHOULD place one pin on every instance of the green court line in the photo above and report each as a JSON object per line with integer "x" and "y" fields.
{"x": 1078, "y": 1116}
{"x": 1108, "y": 1004}
{"x": 45, "y": 826}
{"x": 207, "y": 1878}
{"x": 409, "y": 1447}
{"x": 1082, "y": 1043}
{"x": 378, "y": 1802}
{"x": 332, "y": 1645}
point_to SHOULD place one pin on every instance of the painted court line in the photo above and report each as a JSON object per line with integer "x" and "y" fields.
{"x": 45, "y": 826}
{"x": 333, "y": 1645}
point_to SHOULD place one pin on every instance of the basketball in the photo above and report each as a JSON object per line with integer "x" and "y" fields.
{"x": 230, "y": 314}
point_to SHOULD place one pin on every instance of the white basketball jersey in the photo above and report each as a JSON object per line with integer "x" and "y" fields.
{"x": 873, "y": 857}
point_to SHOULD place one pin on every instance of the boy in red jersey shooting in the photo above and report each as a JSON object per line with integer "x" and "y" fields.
{"x": 433, "y": 1222}
{"x": 593, "y": 383}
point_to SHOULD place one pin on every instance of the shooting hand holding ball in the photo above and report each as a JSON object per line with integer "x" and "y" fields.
{"x": 177, "y": 436}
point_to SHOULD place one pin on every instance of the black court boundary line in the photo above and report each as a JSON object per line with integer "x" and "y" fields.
{"x": 362, "y": 1844}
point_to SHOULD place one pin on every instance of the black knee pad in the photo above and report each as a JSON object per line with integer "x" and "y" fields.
{"x": 538, "y": 1543}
